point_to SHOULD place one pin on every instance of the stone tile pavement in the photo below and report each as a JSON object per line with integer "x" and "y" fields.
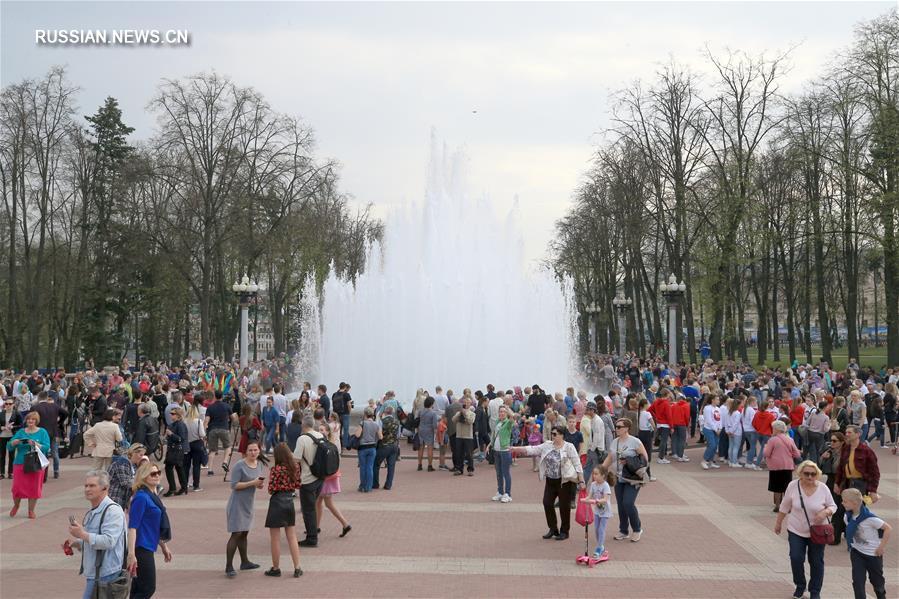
{"x": 707, "y": 534}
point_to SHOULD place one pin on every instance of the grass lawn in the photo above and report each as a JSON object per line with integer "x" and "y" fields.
{"x": 874, "y": 357}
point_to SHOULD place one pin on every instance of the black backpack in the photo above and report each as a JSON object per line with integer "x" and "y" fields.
{"x": 337, "y": 402}
{"x": 327, "y": 459}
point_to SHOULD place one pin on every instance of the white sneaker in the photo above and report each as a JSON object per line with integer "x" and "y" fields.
{"x": 506, "y": 499}
{"x": 620, "y": 536}
{"x": 652, "y": 479}
{"x": 662, "y": 461}
{"x": 704, "y": 464}
{"x": 737, "y": 465}
{"x": 497, "y": 497}
{"x": 685, "y": 459}
{"x": 635, "y": 536}
{"x": 714, "y": 465}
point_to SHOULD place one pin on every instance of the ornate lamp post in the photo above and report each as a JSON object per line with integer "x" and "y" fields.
{"x": 622, "y": 305}
{"x": 592, "y": 309}
{"x": 245, "y": 291}
{"x": 673, "y": 292}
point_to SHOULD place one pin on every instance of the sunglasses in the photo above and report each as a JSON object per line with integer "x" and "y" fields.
{"x": 835, "y": 441}
{"x": 155, "y": 473}
{"x": 809, "y": 474}
{"x": 554, "y": 434}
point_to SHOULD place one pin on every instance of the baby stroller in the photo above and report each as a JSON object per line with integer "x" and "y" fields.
{"x": 583, "y": 515}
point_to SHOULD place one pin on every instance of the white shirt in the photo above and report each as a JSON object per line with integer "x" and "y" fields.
{"x": 711, "y": 417}
{"x": 866, "y": 539}
{"x": 748, "y": 415}
{"x": 597, "y": 434}
{"x": 440, "y": 403}
{"x": 280, "y": 403}
{"x": 493, "y": 410}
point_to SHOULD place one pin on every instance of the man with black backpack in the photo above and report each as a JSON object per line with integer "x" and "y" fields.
{"x": 342, "y": 405}
{"x": 318, "y": 458}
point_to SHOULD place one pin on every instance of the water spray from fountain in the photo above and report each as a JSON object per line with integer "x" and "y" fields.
{"x": 447, "y": 299}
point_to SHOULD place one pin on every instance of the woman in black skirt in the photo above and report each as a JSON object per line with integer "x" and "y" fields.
{"x": 780, "y": 456}
{"x": 284, "y": 479}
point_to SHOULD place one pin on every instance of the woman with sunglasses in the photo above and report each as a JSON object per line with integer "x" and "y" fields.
{"x": 10, "y": 423}
{"x": 807, "y": 501}
{"x": 560, "y": 466}
{"x": 148, "y": 528}
{"x": 623, "y": 447}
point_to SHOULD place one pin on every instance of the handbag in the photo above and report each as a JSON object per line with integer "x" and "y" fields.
{"x": 353, "y": 442}
{"x": 31, "y": 462}
{"x": 175, "y": 454}
{"x": 819, "y": 534}
{"x": 491, "y": 458}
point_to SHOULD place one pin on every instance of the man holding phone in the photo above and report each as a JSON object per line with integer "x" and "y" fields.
{"x": 106, "y": 541}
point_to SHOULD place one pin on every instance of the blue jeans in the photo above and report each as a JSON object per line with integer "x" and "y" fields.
{"x": 269, "y": 438}
{"x": 798, "y": 548}
{"x": 366, "y": 467}
{"x": 733, "y": 450}
{"x": 599, "y": 524}
{"x": 389, "y": 454}
{"x": 679, "y": 440}
{"x": 752, "y": 438}
{"x": 74, "y": 429}
{"x": 89, "y": 584}
{"x": 879, "y": 432}
{"x": 711, "y": 444}
{"x": 54, "y": 449}
{"x": 344, "y": 430}
{"x": 503, "y": 465}
{"x": 763, "y": 440}
{"x": 626, "y": 498}
{"x": 282, "y": 429}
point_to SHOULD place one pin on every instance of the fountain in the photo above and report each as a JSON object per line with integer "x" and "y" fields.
{"x": 449, "y": 300}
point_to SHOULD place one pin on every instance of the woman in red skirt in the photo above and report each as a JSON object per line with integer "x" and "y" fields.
{"x": 28, "y": 485}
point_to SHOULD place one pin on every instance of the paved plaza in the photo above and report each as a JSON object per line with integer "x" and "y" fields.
{"x": 707, "y": 534}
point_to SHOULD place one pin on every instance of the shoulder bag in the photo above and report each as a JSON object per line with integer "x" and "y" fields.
{"x": 820, "y": 534}
{"x": 569, "y": 472}
{"x": 120, "y": 586}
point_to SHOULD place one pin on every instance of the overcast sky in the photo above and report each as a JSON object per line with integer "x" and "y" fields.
{"x": 372, "y": 79}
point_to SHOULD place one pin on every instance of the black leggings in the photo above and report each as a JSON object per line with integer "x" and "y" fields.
{"x": 3, "y": 456}
{"x": 237, "y": 542}
{"x": 192, "y": 462}
{"x": 646, "y": 438}
{"x": 143, "y": 586}
{"x": 555, "y": 488}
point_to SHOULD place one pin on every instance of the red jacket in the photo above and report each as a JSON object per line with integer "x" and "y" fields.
{"x": 660, "y": 409}
{"x": 762, "y": 422}
{"x": 865, "y": 463}
{"x": 679, "y": 413}
{"x": 796, "y": 415}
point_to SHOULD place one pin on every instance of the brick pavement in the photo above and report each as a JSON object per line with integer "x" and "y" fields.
{"x": 707, "y": 534}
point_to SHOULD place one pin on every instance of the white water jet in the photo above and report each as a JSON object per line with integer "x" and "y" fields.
{"x": 447, "y": 300}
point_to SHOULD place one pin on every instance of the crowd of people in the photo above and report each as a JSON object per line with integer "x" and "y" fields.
{"x": 800, "y": 423}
